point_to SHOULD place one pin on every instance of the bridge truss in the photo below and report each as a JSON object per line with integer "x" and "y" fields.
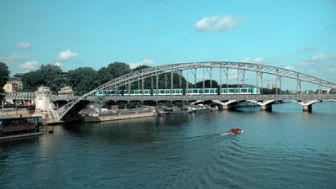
{"x": 223, "y": 66}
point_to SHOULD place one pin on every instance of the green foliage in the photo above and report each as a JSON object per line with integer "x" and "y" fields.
{"x": 4, "y": 75}
{"x": 162, "y": 80}
{"x": 83, "y": 80}
{"x": 113, "y": 70}
{"x": 207, "y": 84}
{"x": 141, "y": 67}
{"x": 273, "y": 91}
{"x": 48, "y": 75}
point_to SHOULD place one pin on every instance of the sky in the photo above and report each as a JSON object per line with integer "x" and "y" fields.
{"x": 298, "y": 35}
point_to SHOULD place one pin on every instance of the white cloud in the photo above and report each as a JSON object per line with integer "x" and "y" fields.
{"x": 331, "y": 70}
{"x": 29, "y": 65}
{"x": 290, "y": 67}
{"x": 256, "y": 60}
{"x": 12, "y": 58}
{"x": 147, "y": 62}
{"x": 217, "y": 23}
{"x": 66, "y": 55}
{"x": 319, "y": 57}
{"x": 23, "y": 45}
{"x": 58, "y": 64}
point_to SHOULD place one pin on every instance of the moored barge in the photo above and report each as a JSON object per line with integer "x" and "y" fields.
{"x": 18, "y": 127}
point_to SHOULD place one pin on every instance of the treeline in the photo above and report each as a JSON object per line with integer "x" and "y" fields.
{"x": 84, "y": 79}
{"x": 4, "y": 75}
{"x": 81, "y": 79}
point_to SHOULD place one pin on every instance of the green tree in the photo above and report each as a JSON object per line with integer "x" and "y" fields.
{"x": 4, "y": 75}
{"x": 162, "y": 80}
{"x": 83, "y": 80}
{"x": 207, "y": 83}
{"x": 112, "y": 71}
{"x": 332, "y": 91}
{"x": 48, "y": 75}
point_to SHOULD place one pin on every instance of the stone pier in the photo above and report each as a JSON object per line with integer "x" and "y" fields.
{"x": 266, "y": 107}
{"x": 307, "y": 108}
{"x": 44, "y": 107}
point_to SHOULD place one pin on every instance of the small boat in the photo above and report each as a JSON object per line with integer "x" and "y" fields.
{"x": 234, "y": 131}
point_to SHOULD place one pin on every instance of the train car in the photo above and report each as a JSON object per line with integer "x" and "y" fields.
{"x": 168, "y": 91}
{"x": 197, "y": 91}
{"x": 108, "y": 92}
{"x": 138, "y": 92}
{"x": 180, "y": 91}
{"x": 253, "y": 90}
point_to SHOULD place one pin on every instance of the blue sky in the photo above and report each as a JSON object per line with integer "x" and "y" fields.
{"x": 298, "y": 34}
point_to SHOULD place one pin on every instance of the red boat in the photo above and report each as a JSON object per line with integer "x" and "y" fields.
{"x": 234, "y": 131}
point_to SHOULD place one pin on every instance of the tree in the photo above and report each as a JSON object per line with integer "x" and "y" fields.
{"x": 112, "y": 71}
{"x": 48, "y": 75}
{"x": 4, "y": 75}
{"x": 162, "y": 80}
{"x": 207, "y": 84}
{"x": 332, "y": 91}
{"x": 83, "y": 80}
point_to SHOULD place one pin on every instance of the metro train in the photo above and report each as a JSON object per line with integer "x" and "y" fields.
{"x": 180, "y": 91}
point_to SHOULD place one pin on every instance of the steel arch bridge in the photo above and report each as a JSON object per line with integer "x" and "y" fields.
{"x": 223, "y": 66}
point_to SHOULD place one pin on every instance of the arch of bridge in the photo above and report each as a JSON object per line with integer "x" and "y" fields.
{"x": 154, "y": 71}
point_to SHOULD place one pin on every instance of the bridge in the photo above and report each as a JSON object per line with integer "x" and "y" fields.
{"x": 212, "y": 70}
{"x": 207, "y": 68}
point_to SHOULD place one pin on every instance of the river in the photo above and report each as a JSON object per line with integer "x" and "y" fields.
{"x": 285, "y": 148}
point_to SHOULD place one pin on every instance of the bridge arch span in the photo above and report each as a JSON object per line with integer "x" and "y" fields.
{"x": 155, "y": 71}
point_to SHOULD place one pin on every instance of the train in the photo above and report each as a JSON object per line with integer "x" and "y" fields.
{"x": 180, "y": 91}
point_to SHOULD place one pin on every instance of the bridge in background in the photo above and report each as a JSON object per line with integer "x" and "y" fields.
{"x": 214, "y": 70}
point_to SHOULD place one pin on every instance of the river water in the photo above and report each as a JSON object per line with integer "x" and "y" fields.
{"x": 286, "y": 148}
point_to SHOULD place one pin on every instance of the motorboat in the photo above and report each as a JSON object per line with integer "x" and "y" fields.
{"x": 234, "y": 131}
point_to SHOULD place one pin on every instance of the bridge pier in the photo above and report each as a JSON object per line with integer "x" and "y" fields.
{"x": 229, "y": 107}
{"x": 308, "y": 105}
{"x": 44, "y": 106}
{"x": 307, "y": 108}
{"x": 266, "y": 107}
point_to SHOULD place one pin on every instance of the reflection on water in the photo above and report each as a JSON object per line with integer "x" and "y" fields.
{"x": 284, "y": 148}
